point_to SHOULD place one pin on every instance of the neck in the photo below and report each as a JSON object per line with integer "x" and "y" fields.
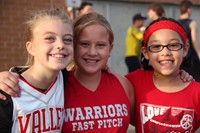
{"x": 155, "y": 17}
{"x": 159, "y": 76}
{"x": 169, "y": 83}
{"x": 89, "y": 81}
{"x": 184, "y": 16}
{"x": 40, "y": 78}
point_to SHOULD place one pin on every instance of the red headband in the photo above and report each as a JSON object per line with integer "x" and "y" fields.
{"x": 164, "y": 24}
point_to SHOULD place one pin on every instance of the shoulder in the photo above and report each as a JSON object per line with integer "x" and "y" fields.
{"x": 138, "y": 73}
{"x": 128, "y": 88}
{"x": 122, "y": 79}
{"x": 65, "y": 74}
{"x": 196, "y": 84}
{"x": 130, "y": 29}
{"x": 6, "y": 113}
{"x": 193, "y": 24}
{"x": 139, "y": 77}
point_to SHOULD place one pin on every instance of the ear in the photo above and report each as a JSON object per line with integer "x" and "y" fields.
{"x": 30, "y": 48}
{"x": 145, "y": 52}
{"x": 111, "y": 47}
{"x": 189, "y": 10}
{"x": 185, "y": 49}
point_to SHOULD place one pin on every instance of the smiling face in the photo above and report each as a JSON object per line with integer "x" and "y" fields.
{"x": 92, "y": 49}
{"x": 52, "y": 44}
{"x": 165, "y": 62}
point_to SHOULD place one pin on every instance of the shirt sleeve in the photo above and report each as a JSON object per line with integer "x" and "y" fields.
{"x": 137, "y": 34}
{"x": 6, "y": 112}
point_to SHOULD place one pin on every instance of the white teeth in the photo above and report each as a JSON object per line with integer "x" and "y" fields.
{"x": 165, "y": 62}
{"x": 58, "y": 55}
{"x": 91, "y": 61}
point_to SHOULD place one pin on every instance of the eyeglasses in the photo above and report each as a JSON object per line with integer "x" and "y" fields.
{"x": 172, "y": 47}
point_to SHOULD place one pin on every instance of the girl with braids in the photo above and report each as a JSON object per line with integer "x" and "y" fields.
{"x": 163, "y": 102}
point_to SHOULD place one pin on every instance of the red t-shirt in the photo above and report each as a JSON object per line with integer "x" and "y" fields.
{"x": 162, "y": 112}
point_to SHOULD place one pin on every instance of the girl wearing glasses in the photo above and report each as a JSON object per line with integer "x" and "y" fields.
{"x": 163, "y": 102}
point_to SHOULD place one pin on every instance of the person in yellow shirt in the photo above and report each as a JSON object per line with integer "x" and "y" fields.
{"x": 133, "y": 37}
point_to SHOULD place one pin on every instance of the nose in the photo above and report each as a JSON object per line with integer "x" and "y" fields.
{"x": 166, "y": 51}
{"x": 92, "y": 51}
{"x": 60, "y": 45}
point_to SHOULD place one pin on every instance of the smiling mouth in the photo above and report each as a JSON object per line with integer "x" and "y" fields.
{"x": 58, "y": 55}
{"x": 165, "y": 62}
{"x": 91, "y": 60}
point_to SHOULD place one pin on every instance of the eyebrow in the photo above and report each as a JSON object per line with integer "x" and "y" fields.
{"x": 49, "y": 32}
{"x": 173, "y": 39}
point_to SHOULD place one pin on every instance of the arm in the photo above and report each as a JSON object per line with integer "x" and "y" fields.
{"x": 128, "y": 88}
{"x": 9, "y": 84}
{"x": 138, "y": 35}
{"x": 6, "y": 113}
{"x": 196, "y": 45}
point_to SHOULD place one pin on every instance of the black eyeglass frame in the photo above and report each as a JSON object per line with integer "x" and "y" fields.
{"x": 167, "y": 46}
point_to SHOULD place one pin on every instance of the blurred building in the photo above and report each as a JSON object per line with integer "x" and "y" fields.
{"x": 118, "y": 12}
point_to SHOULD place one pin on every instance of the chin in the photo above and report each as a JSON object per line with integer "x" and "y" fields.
{"x": 167, "y": 73}
{"x": 91, "y": 71}
{"x": 60, "y": 67}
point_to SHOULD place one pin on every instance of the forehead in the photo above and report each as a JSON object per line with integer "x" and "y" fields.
{"x": 151, "y": 10}
{"x": 95, "y": 29}
{"x": 95, "y": 32}
{"x": 164, "y": 35}
{"x": 51, "y": 23}
{"x": 42, "y": 21}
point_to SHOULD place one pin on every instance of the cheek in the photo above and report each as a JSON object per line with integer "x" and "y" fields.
{"x": 105, "y": 54}
{"x": 150, "y": 13}
{"x": 70, "y": 49}
{"x": 180, "y": 56}
{"x": 79, "y": 53}
{"x": 40, "y": 50}
{"x": 152, "y": 58}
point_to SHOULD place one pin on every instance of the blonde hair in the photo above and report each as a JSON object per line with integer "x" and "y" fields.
{"x": 36, "y": 16}
{"x": 90, "y": 19}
